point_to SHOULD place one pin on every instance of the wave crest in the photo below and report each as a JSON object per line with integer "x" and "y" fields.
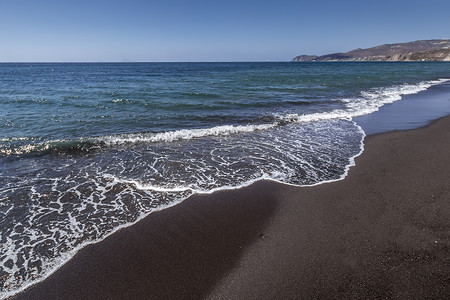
{"x": 365, "y": 103}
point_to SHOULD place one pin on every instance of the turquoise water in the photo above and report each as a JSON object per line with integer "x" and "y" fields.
{"x": 70, "y": 101}
{"x": 88, "y": 148}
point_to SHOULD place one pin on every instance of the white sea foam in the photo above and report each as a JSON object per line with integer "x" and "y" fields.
{"x": 368, "y": 102}
{"x": 126, "y": 186}
{"x": 183, "y": 134}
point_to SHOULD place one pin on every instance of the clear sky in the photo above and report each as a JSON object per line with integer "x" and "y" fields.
{"x": 198, "y": 30}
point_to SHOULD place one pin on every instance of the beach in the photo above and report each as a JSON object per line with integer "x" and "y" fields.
{"x": 382, "y": 232}
{"x": 223, "y": 180}
{"x": 224, "y": 150}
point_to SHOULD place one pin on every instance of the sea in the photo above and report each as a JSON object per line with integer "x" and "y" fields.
{"x": 89, "y": 148}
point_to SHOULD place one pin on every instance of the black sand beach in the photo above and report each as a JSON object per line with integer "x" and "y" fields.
{"x": 382, "y": 232}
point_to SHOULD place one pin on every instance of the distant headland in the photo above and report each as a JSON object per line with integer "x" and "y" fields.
{"x": 425, "y": 50}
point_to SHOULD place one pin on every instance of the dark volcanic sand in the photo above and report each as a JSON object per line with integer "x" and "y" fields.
{"x": 383, "y": 232}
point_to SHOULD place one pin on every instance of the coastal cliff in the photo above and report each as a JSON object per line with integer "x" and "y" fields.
{"x": 426, "y": 50}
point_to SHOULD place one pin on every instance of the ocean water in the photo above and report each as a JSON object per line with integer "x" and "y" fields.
{"x": 86, "y": 149}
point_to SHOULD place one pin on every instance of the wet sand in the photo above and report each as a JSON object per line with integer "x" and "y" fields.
{"x": 382, "y": 232}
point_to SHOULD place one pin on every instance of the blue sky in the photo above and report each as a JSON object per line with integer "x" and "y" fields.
{"x": 174, "y": 30}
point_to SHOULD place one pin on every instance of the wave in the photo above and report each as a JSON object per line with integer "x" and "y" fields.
{"x": 124, "y": 101}
{"x": 202, "y": 95}
{"x": 365, "y": 103}
{"x": 55, "y": 146}
{"x": 129, "y": 185}
{"x": 183, "y": 134}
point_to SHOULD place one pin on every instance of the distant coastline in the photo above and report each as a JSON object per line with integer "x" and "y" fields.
{"x": 425, "y": 50}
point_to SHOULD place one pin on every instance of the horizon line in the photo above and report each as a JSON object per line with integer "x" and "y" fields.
{"x": 125, "y": 62}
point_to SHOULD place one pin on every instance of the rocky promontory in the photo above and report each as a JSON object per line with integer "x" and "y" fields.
{"x": 425, "y": 50}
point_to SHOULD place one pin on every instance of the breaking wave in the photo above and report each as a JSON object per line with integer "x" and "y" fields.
{"x": 365, "y": 103}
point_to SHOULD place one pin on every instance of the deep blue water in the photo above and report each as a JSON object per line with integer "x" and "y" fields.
{"x": 87, "y": 148}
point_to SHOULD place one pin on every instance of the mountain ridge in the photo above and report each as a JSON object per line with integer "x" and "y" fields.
{"x": 422, "y": 50}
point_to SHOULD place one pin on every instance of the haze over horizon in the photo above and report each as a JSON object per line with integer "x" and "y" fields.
{"x": 176, "y": 30}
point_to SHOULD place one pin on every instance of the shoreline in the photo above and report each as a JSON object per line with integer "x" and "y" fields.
{"x": 399, "y": 250}
{"x": 274, "y": 240}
